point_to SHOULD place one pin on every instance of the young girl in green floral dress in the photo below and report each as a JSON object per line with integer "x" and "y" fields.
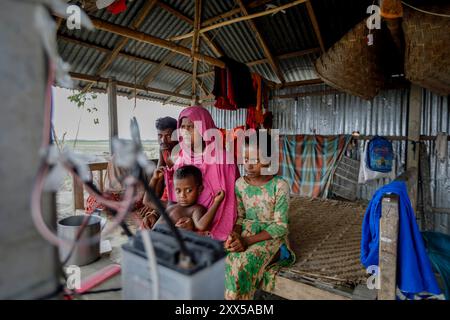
{"x": 258, "y": 245}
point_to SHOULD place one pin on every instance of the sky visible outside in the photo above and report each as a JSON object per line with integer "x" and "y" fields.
{"x": 66, "y": 116}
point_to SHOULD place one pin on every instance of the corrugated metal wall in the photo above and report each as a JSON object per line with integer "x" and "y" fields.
{"x": 435, "y": 119}
{"x": 342, "y": 114}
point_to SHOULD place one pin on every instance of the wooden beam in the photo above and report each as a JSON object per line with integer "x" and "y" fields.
{"x": 412, "y": 154}
{"x": 300, "y": 83}
{"x": 127, "y": 85}
{"x": 196, "y": 44}
{"x": 143, "y": 37}
{"x": 296, "y": 290}
{"x": 121, "y": 54}
{"x": 178, "y": 89}
{"x": 112, "y": 112}
{"x": 315, "y": 25}
{"x": 272, "y": 61}
{"x": 233, "y": 12}
{"x": 240, "y": 19}
{"x": 214, "y": 47}
{"x": 137, "y": 22}
{"x": 388, "y": 247}
{"x": 162, "y": 64}
{"x": 427, "y": 218}
{"x": 299, "y": 53}
{"x": 307, "y": 94}
{"x": 288, "y": 55}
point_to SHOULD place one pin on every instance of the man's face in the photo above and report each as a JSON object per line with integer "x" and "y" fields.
{"x": 165, "y": 139}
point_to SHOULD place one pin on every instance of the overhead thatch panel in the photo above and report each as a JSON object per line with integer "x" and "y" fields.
{"x": 427, "y": 57}
{"x": 353, "y": 66}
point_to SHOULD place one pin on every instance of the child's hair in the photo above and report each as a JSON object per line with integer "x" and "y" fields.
{"x": 189, "y": 171}
{"x": 268, "y": 144}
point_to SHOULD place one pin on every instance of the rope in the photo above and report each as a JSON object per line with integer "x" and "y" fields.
{"x": 427, "y": 12}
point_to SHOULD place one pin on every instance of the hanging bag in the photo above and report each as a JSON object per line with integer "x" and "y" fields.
{"x": 380, "y": 155}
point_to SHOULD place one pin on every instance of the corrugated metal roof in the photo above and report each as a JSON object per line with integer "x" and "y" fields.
{"x": 284, "y": 33}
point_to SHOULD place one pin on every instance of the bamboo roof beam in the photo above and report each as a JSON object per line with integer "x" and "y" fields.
{"x": 229, "y": 14}
{"x": 121, "y": 54}
{"x": 196, "y": 44}
{"x": 213, "y": 46}
{"x": 240, "y": 19}
{"x": 146, "y": 38}
{"x": 131, "y": 86}
{"x": 272, "y": 61}
{"x": 137, "y": 22}
{"x": 300, "y": 83}
{"x": 162, "y": 64}
{"x": 178, "y": 90}
{"x": 289, "y": 55}
{"x": 315, "y": 25}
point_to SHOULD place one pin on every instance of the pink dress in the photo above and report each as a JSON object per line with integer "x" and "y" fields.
{"x": 216, "y": 176}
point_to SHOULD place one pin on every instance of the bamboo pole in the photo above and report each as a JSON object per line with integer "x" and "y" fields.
{"x": 195, "y": 45}
{"x": 213, "y": 46}
{"x": 122, "y": 54}
{"x": 271, "y": 59}
{"x": 315, "y": 25}
{"x": 240, "y": 19}
{"x": 137, "y": 22}
{"x": 142, "y": 37}
{"x": 131, "y": 86}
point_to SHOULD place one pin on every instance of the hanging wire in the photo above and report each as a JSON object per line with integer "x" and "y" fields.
{"x": 135, "y": 80}
{"x": 426, "y": 12}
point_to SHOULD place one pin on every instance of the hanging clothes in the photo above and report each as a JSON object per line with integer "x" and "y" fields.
{"x": 415, "y": 274}
{"x": 233, "y": 86}
{"x": 255, "y": 114}
{"x": 117, "y": 7}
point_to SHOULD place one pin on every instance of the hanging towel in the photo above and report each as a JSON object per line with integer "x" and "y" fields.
{"x": 442, "y": 146}
{"x": 414, "y": 272}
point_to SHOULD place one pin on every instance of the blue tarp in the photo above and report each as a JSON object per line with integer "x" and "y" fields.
{"x": 438, "y": 248}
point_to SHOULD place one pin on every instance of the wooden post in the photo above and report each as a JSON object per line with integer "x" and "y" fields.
{"x": 78, "y": 195}
{"x": 427, "y": 210}
{"x": 112, "y": 111}
{"x": 412, "y": 156}
{"x": 195, "y": 45}
{"x": 388, "y": 248}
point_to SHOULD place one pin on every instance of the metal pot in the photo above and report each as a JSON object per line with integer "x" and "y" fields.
{"x": 83, "y": 253}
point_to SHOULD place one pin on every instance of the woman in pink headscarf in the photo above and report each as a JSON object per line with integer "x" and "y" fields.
{"x": 207, "y": 154}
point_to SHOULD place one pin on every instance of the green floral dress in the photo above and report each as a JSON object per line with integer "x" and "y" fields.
{"x": 259, "y": 208}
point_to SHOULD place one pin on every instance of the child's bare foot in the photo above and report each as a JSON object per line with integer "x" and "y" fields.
{"x": 219, "y": 196}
